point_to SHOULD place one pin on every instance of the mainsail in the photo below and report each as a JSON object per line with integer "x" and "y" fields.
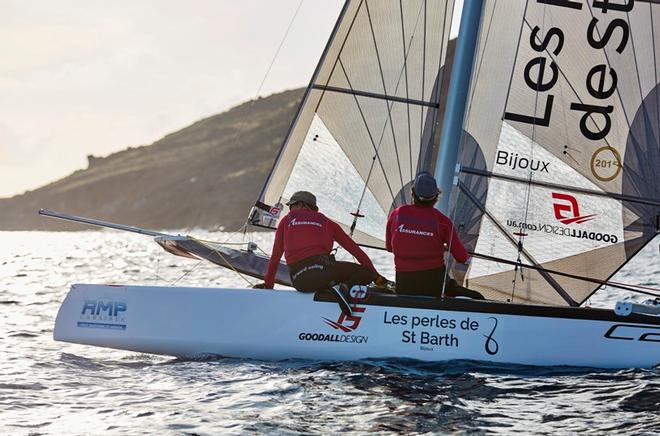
{"x": 560, "y": 156}
{"x": 367, "y": 122}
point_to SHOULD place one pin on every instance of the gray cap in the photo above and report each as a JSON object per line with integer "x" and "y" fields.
{"x": 425, "y": 186}
{"x": 305, "y": 197}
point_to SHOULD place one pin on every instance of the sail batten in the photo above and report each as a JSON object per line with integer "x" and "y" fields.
{"x": 614, "y": 195}
{"x": 379, "y": 96}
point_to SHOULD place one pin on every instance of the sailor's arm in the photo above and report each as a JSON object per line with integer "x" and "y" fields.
{"x": 276, "y": 255}
{"x": 345, "y": 241}
{"x": 388, "y": 232}
{"x": 456, "y": 248}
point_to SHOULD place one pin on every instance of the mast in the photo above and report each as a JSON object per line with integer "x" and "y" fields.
{"x": 456, "y": 100}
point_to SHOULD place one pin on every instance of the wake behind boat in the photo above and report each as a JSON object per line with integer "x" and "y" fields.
{"x": 552, "y": 117}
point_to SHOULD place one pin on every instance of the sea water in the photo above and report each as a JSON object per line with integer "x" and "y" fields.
{"x": 53, "y": 388}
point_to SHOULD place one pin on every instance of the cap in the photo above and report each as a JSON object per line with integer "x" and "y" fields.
{"x": 305, "y": 197}
{"x": 425, "y": 186}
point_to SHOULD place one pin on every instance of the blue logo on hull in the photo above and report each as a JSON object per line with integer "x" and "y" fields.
{"x": 103, "y": 314}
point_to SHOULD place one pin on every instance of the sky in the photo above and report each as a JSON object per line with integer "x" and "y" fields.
{"x": 92, "y": 77}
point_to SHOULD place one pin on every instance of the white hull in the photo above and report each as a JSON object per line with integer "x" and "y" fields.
{"x": 278, "y": 324}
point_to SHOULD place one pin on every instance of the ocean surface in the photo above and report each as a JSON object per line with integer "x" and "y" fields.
{"x": 53, "y": 388}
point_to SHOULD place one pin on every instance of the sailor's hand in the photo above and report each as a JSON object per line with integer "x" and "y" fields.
{"x": 261, "y": 285}
{"x": 461, "y": 269}
{"x": 381, "y": 281}
{"x": 384, "y": 285}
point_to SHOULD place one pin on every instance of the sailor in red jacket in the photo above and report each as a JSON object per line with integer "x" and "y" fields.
{"x": 305, "y": 237}
{"x": 417, "y": 235}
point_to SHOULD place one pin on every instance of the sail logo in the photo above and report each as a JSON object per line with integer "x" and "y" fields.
{"x": 275, "y": 210}
{"x": 295, "y": 222}
{"x": 402, "y": 229}
{"x": 567, "y": 210}
{"x": 513, "y": 161}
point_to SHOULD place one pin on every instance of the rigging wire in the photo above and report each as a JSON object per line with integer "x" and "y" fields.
{"x": 277, "y": 52}
{"x": 199, "y": 262}
{"x": 506, "y": 102}
{"x": 216, "y": 251}
{"x": 521, "y": 233}
{"x": 205, "y": 243}
{"x": 127, "y": 260}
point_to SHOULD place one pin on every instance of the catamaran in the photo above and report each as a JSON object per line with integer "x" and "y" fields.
{"x": 545, "y": 142}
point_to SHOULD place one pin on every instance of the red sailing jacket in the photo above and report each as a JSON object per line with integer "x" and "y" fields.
{"x": 305, "y": 233}
{"x": 417, "y": 237}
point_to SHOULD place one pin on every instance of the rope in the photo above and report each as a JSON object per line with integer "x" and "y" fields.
{"x": 215, "y": 250}
{"x": 206, "y": 241}
{"x": 186, "y": 273}
{"x": 217, "y": 242}
{"x": 125, "y": 259}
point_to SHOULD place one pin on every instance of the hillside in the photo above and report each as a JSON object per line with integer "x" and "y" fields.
{"x": 205, "y": 175}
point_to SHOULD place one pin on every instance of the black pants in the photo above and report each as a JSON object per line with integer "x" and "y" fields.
{"x": 321, "y": 272}
{"x": 429, "y": 283}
